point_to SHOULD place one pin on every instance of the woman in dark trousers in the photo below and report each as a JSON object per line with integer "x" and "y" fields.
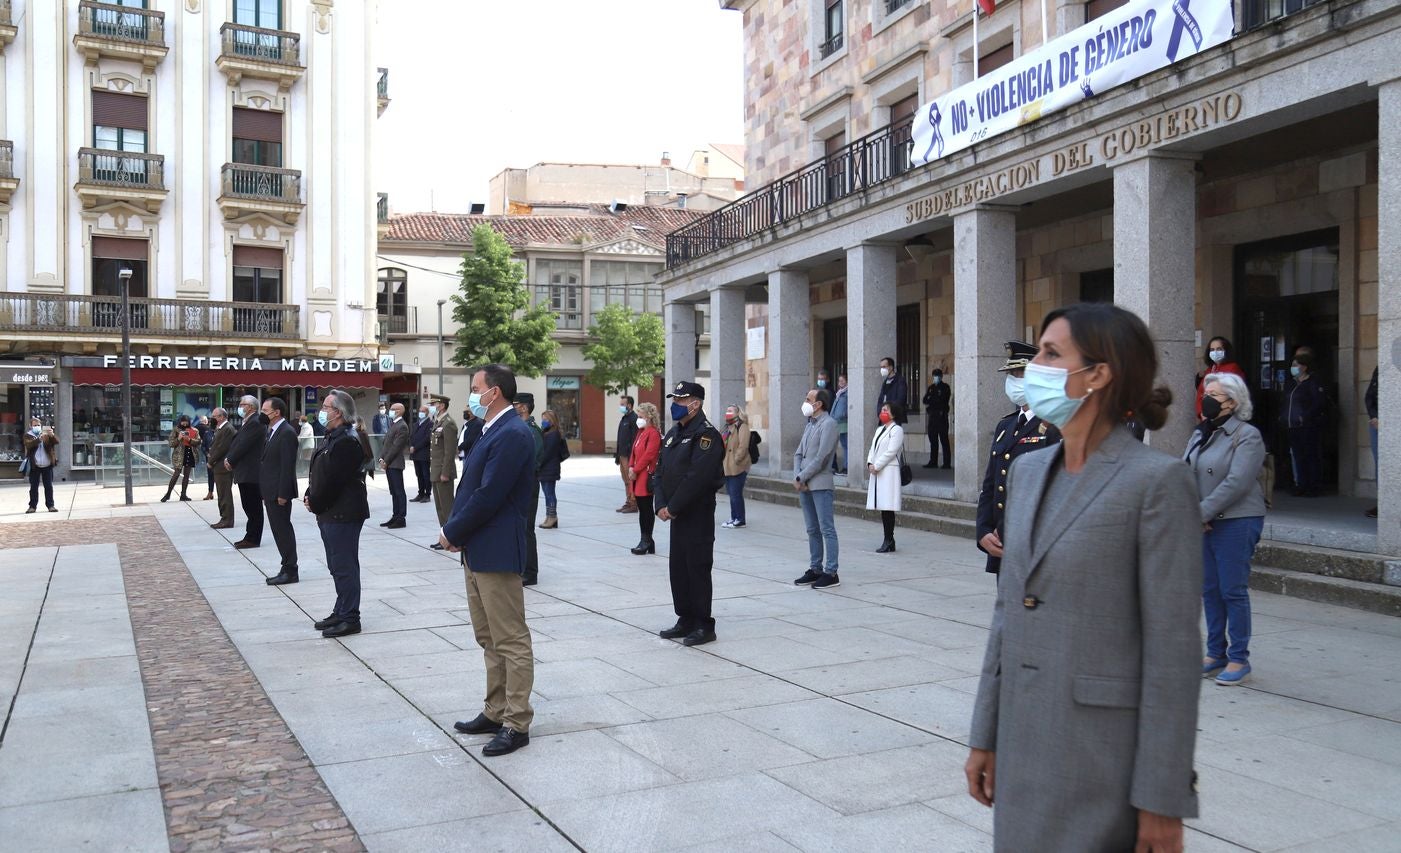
{"x": 642, "y": 464}
{"x": 335, "y": 493}
{"x": 1303, "y": 415}
{"x": 40, "y": 451}
{"x": 555, "y": 452}
{"x": 183, "y": 440}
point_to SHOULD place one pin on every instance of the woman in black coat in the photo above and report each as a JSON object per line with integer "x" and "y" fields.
{"x": 335, "y": 493}
{"x": 556, "y": 451}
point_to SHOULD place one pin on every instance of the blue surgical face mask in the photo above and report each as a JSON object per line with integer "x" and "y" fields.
{"x": 1294, "y": 371}
{"x": 432, "y": 411}
{"x": 622, "y": 410}
{"x": 544, "y": 424}
{"x": 1045, "y": 393}
{"x": 1015, "y": 388}
{"x": 35, "y": 430}
{"x": 321, "y": 417}
{"x": 474, "y": 402}
{"x": 822, "y": 383}
{"x": 938, "y": 380}
{"x": 422, "y": 415}
{"x": 679, "y": 411}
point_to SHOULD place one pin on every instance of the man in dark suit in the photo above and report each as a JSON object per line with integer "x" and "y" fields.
{"x": 892, "y": 387}
{"x": 622, "y": 452}
{"x": 488, "y": 526}
{"x": 278, "y": 476}
{"x": 221, "y": 440}
{"x": 391, "y": 460}
{"x": 937, "y": 400}
{"x": 468, "y": 435}
{"x": 244, "y": 458}
{"x": 421, "y": 454}
{"x": 1018, "y": 433}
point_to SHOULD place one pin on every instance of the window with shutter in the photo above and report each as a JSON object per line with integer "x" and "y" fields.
{"x": 257, "y": 137}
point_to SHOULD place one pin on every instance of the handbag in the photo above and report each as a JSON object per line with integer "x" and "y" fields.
{"x": 24, "y": 467}
{"x": 906, "y": 474}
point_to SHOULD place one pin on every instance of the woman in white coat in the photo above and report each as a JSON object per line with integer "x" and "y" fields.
{"x": 883, "y": 467}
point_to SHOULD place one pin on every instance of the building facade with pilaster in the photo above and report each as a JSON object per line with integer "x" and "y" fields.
{"x": 216, "y": 151}
{"x": 1248, "y": 189}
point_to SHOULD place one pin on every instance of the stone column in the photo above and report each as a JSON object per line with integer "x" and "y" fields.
{"x": 727, "y": 342}
{"x": 1155, "y": 238}
{"x": 790, "y": 367}
{"x": 870, "y": 336}
{"x": 47, "y": 149}
{"x": 680, "y": 320}
{"x": 984, "y": 318}
{"x": 1389, "y": 318}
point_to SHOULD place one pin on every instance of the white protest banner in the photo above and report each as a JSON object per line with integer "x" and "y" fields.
{"x": 1119, "y": 46}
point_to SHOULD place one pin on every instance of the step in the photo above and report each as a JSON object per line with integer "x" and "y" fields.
{"x": 1352, "y": 579}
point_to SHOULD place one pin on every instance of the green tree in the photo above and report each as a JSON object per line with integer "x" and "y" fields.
{"x": 626, "y": 349}
{"x": 495, "y": 321}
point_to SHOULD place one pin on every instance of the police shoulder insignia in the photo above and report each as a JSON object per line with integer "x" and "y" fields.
{"x": 670, "y": 439}
{"x": 1041, "y": 428}
{"x": 704, "y": 442}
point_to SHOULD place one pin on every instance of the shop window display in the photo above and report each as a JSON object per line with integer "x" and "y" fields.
{"x": 97, "y": 419}
{"x": 12, "y": 423}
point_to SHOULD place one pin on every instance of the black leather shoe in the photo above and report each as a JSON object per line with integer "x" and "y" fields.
{"x": 506, "y": 742}
{"x": 886, "y": 547}
{"x": 674, "y": 632}
{"x": 283, "y": 577}
{"x": 646, "y": 546}
{"x": 699, "y": 637}
{"x": 482, "y": 725}
{"x": 244, "y": 543}
{"x": 396, "y": 523}
{"x": 386, "y": 523}
{"x": 333, "y": 619}
{"x": 929, "y": 465}
{"x": 529, "y": 580}
{"x": 342, "y": 629}
{"x": 436, "y": 546}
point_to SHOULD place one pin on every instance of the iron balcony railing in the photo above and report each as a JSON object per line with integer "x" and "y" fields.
{"x": 175, "y": 318}
{"x": 830, "y": 46}
{"x": 867, "y": 162}
{"x": 6, "y": 15}
{"x": 892, "y": 5}
{"x": 7, "y": 155}
{"x": 262, "y": 183}
{"x": 382, "y": 208}
{"x": 126, "y": 169}
{"x": 1257, "y": 13}
{"x": 276, "y": 46}
{"x": 395, "y": 324}
{"x": 121, "y": 23}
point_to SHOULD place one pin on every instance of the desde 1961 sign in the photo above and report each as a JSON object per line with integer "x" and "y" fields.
{"x": 1119, "y": 46}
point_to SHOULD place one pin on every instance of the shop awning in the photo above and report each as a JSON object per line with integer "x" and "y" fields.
{"x": 223, "y": 378}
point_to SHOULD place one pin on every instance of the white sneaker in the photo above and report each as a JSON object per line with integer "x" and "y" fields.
{"x": 730, "y": 523}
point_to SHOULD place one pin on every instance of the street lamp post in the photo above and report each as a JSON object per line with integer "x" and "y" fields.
{"x": 441, "y": 303}
{"x": 125, "y": 275}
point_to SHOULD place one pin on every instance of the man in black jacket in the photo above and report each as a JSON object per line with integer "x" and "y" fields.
{"x": 627, "y": 433}
{"x": 278, "y": 478}
{"x": 421, "y": 453}
{"x": 335, "y": 493}
{"x": 937, "y": 400}
{"x": 243, "y": 459}
{"x": 1371, "y": 400}
{"x": 468, "y": 435}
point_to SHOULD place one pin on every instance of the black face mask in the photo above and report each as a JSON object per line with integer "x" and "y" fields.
{"x": 1211, "y": 408}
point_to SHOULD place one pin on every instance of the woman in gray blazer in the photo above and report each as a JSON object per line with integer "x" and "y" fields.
{"x": 1226, "y": 454}
{"x": 1085, "y": 721}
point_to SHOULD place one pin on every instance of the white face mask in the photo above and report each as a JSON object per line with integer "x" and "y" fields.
{"x": 1218, "y": 355}
{"x": 807, "y": 409}
{"x": 1015, "y": 387}
{"x": 885, "y": 371}
{"x": 641, "y": 423}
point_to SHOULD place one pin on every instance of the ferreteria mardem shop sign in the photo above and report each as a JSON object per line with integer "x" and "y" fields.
{"x": 215, "y": 370}
{"x": 1115, "y": 48}
{"x": 298, "y": 364}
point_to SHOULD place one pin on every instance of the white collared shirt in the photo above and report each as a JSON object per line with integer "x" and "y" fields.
{"x": 486, "y": 426}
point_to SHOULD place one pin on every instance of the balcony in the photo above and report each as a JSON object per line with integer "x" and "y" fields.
{"x": 8, "y": 182}
{"x": 382, "y": 89}
{"x": 264, "y": 54}
{"x": 105, "y": 177}
{"x": 830, "y": 46}
{"x": 158, "y": 319}
{"x": 8, "y": 30}
{"x": 869, "y": 161}
{"x": 261, "y": 189}
{"x": 892, "y": 6}
{"x": 120, "y": 32}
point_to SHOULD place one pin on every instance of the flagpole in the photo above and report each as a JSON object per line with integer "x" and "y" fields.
{"x": 975, "y": 39}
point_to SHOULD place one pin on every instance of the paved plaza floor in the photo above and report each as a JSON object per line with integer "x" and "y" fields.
{"x": 158, "y": 695}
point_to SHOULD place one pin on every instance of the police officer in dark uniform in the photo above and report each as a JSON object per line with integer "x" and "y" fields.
{"x": 689, "y": 472}
{"x": 1018, "y": 433}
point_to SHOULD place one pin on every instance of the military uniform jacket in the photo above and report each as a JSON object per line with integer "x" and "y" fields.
{"x": 442, "y": 457}
{"x": 691, "y": 467}
{"x": 1008, "y": 442}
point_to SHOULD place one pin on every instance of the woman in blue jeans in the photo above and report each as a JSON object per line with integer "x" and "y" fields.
{"x": 556, "y": 451}
{"x": 1226, "y": 454}
{"x": 735, "y": 434}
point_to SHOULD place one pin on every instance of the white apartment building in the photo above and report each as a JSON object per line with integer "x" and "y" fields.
{"x": 219, "y": 151}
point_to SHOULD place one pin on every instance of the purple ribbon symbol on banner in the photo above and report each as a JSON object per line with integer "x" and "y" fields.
{"x": 936, "y": 139}
{"x": 1184, "y": 22}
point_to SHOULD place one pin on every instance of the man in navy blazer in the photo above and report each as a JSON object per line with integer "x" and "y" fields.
{"x": 487, "y": 525}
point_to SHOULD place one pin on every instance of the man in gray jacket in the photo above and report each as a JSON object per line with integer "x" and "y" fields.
{"x": 812, "y": 477}
{"x": 391, "y": 459}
